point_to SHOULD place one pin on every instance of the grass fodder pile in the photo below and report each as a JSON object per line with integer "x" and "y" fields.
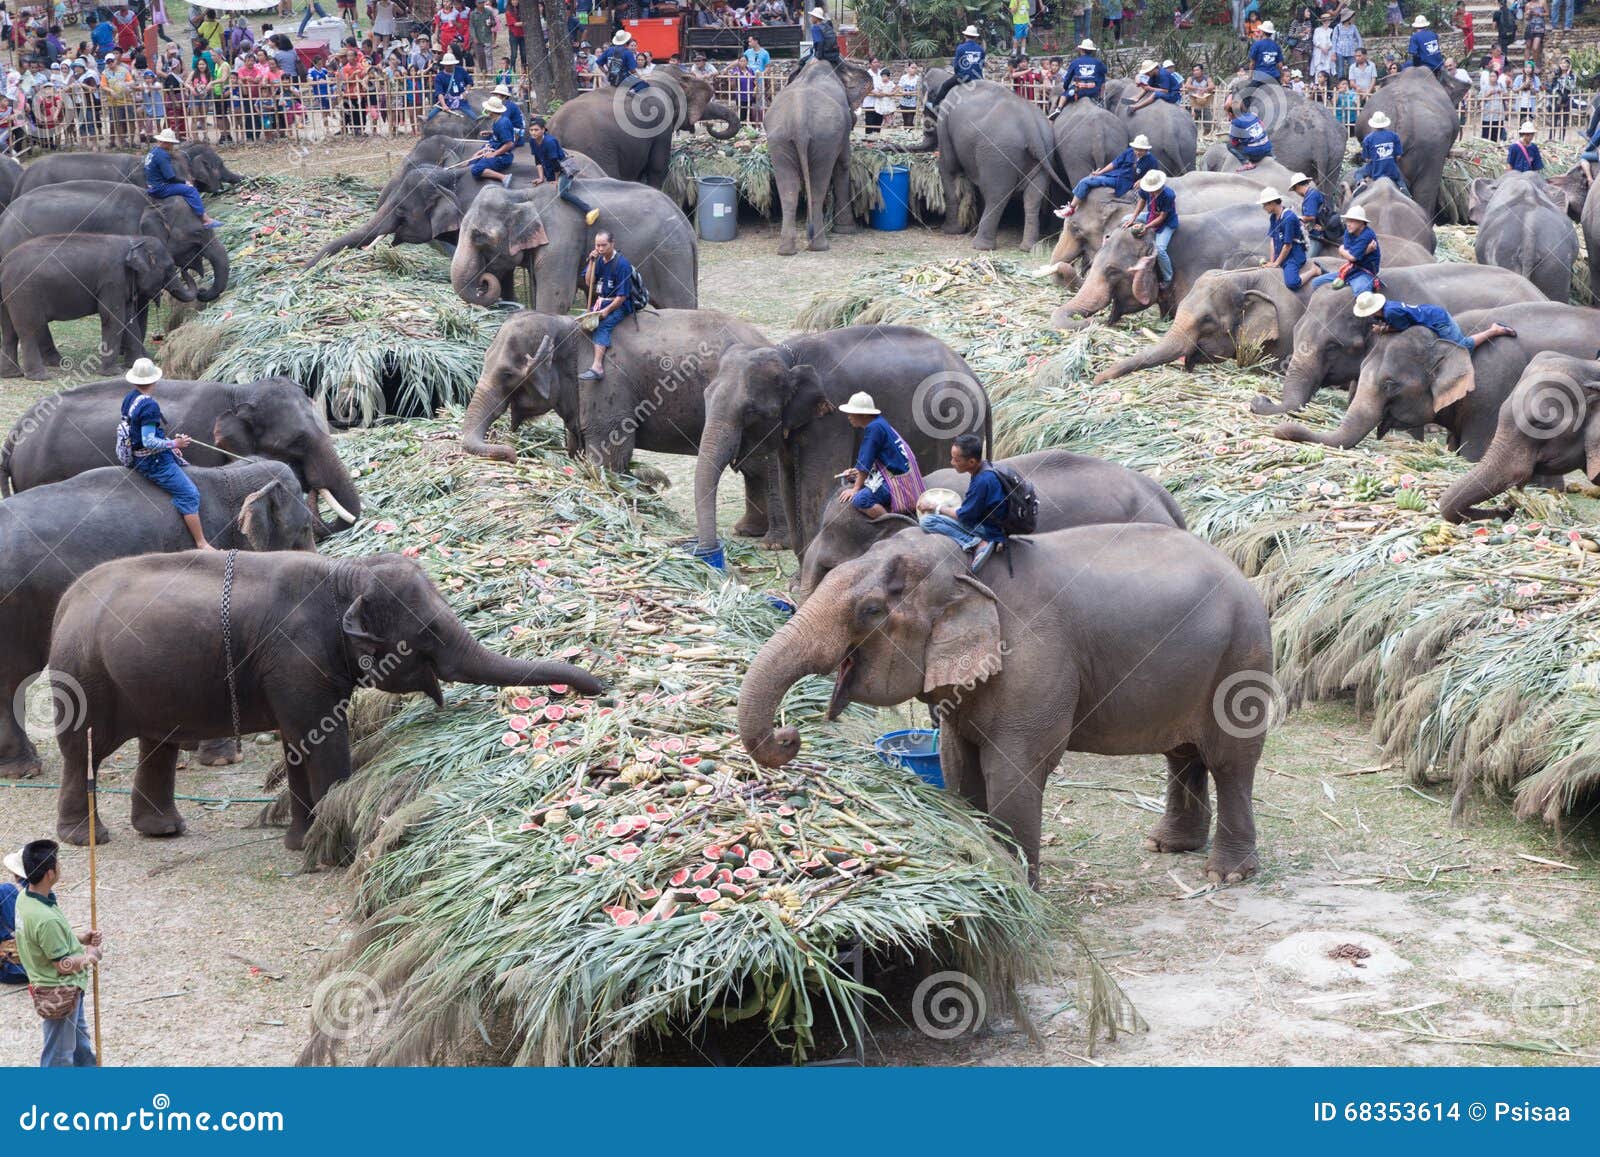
{"x": 367, "y": 332}
{"x": 1477, "y": 649}
{"x": 573, "y": 877}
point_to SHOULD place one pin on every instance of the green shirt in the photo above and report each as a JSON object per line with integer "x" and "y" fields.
{"x": 44, "y": 937}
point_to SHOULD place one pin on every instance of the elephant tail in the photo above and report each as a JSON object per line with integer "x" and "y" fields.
{"x": 813, "y": 210}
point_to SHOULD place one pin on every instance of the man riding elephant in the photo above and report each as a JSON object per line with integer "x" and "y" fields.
{"x": 1286, "y": 236}
{"x": 619, "y": 64}
{"x": 966, "y": 66}
{"x": 1360, "y": 251}
{"x": 1423, "y": 49}
{"x": 824, "y": 40}
{"x": 1084, "y": 79}
{"x": 1266, "y": 58}
{"x": 1119, "y": 175}
{"x": 161, "y": 179}
{"x": 885, "y": 478}
{"x": 493, "y": 161}
{"x": 1248, "y": 141}
{"x": 1382, "y": 150}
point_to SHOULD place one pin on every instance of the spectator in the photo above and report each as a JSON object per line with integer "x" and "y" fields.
{"x": 481, "y": 24}
{"x": 1111, "y": 13}
{"x": 1021, "y": 20}
{"x": 516, "y": 33}
{"x": 880, "y": 105}
{"x": 1505, "y": 25}
{"x": 11, "y": 971}
{"x": 1562, "y": 15}
{"x": 1493, "y": 90}
{"x": 1563, "y": 93}
{"x": 1363, "y": 74}
{"x": 744, "y": 89}
{"x": 1534, "y": 29}
{"x": 1322, "y": 57}
{"x": 56, "y": 960}
{"x": 1395, "y": 18}
{"x": 449, "y": 24}
{"x": 385, "y": 14}
{"x": 1199, "y": 89}
{"x": 1525, "y": 89}
{"x": 910, "y": 94}
{"x": 1463, "y": 21}
{"x": 209, "y": 31}
{"x": 1523, "y": 155}
{"x": 103, "y": 36}
{"x": 758, "y": 58}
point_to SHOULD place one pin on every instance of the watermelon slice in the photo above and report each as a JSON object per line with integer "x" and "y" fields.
{"x": 708, "y": 895}
{"x": 870, "y": 848}
{"x": 725, "y": 875}
{"x": 570, "y": 839}
{"x": 519, "y": 723}
{"x": 714, "y": 852}
{"x": 785, "y": 810}
{"x": 679, "y": 878}
{"x": 558, "y": 688}
{"x": 709, "y": 917}
{"x": 787, "y": 829}
{"x": 746, "y": 873}
{"x": 627, "y": 853}
{"x": 732, "y": 890}
{"x": 650, "y": 894}
{"x": 511, "y": 739}
{"x": 528, "y": 828}
{"x": 672, "y": 745}
{"x": 689, "y": 760}
{"x": 762, "y": 861}
{"x": 648, "y": 756}
{"x": 849, "y": 865}
{"x": 703, "y": 872}
{"x": 554, "y": 713}
{"x": 541, "y": 741}
{"x": 522, "y": 703}
{"x": 595, "y": 861}
{"x": 619, "y": 829}
{"x": 536, "y": 701}
{"x": 626, "y": 918}
{"x": 640, "y": 823}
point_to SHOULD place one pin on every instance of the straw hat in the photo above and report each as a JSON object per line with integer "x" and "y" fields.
{"x": 1368, "y": 304}
{"x": 1297, "y": 179}
{"x": 167, "y": 137}
{"x": 1153, "y": 181}
{"x": 13, "y": 864}
{"x": 1355, "y": 213}
{"x": 501, "y": 90}
{"x": 970, "y": 30}
{"x": 1420, "y": 22}
{"x": 1166, "y": 64}
{"x": 1528, "y": 129}
{"x": 1140, "y": 142}
{"x": 1086, "y": 45}
{"x": 1380, "y": 120}
{"x": 494, "y": 106}
{"x": 143, "y": 373}
{"x": 1268, "y": 196}
{"x": 448, "y": 58}
{"x": 860, "y": 403}
{"x": 620, "y": 39}
{"x": 1148, "y": 66}
{"x": 818, "y": 13}
{"x": 1267, "y": 29}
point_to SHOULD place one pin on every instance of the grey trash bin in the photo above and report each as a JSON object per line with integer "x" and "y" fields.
{"x": 717, "y": 209}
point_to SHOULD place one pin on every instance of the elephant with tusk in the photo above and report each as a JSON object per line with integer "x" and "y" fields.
{"x": 1113, "y": 640}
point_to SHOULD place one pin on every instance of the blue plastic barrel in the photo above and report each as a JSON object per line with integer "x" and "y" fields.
{"x": 717, "y": 209}
{"x": 894, "y": 188}
{"x": 916, "y": 750}
{"x": 713, "y": 558}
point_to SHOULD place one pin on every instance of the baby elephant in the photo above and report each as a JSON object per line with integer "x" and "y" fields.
{"x": 65, "y": 276}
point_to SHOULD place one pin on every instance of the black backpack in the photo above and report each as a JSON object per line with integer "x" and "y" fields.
{"x": 638, "y": 295}
{"x": 616, "y": 70}
{"x": 1022, "y": 502}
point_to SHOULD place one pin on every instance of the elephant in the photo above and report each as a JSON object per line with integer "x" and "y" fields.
{"x": 62, "y": 278}
{"x": 1390, "y": 212}
{"x": 53, "y": 534}
{"x": 808, "y": 142}
{"x": 1305, "y": 136}
{"x": 1589, "y": 226}
{"x": 1522, "y": 226}
{"x": 456, "y": 125}
{"x": 68, "y": 433}
{"x": 1423, "y": 110}
{"x": 118, "y": 209}
{"x": 10, "y": 174}
{"x": 1087, "y": 137}
{"x": 1174, "y": 140}
{"x": 783, "y": 397}
{"x": 207, "y": 169}
{"x": 652, "y": 397}
{"x": 629, "y": 134}
{"x": 1123, "y": 273}
{"x": 1330, "y": 340}
{"x": 1112, "y": 640}
{"x": 375, "y": 622}
{"x": 1001, "y": 143}
{"x": 1574, "y": 188}
{"x": 1227, "y": 313}
{"x": 1073, "y": 490}
{"x": 1412, "y": 378}
{"x": 1217, "y": 159}
{"x": 195, "y": 161}
{"x": 1099, "y": 212}
{"x": 505, "y": 228}
{"x": 1548, "y": 427}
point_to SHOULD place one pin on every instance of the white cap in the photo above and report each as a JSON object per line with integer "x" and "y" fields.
{"x": 860, "y": 403}
{"x": 970, "y": 30}
{"x": 1267, "y": 28}
{"x": 1294, "y": 72}
{"x": 1297, "y": 179}
{"x": 1153, "y": 181}
{"x": 1086, "y": 45}
{"x": 1166, "y": 64}
{"x": 448, "y": 58}
{"x": 1268, "y": 196}
{"x": 1140, "y": 142}
{"x": 1420, "y": 22}
{"x": 494, "y": 106}
{"x": 1380, "y": 120}
{"x": 817, "y": 13}
{"x": 620, "y": 39}
{"x": 167, "y": 137}
{"x": 1528, "y": 127}
{"x": 501, "y": 90}
{"x": 143, "y": 373}
{"x": 1355, "y": 213}
{"x": 1148, "y": 66}
{"x": 13, "y": 864}
{"x": 1368, "y": 304}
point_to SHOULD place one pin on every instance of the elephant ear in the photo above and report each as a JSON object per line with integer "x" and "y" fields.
{"x": 525, "y": 229}
{"x": 373, "y": 637}
{"x": 806, "y": 401}
{"x": 1591, "y": 431}
{"x": 444, "y": 215}
{"x": 530, "y": 365}
{"x": 1144, "y": 280}
{"x": 234, "y": 430}
{"x": 1258, "y": 321}
{"x": 267, "y": 516}
{"x": 964, "y": 646}
{"x": 1478, "y": 194}
{"x": 1452, "y": 376}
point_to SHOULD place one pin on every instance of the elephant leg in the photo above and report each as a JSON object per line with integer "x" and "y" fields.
{"x": 155, "y": 811}
{"x": 754, "y": 523}
{"x": 317, "y": 758}
{"x": 34, "y": 344}
{"x": 1013, "y": 773}
{"x": 47, "y": 346}
{"x": 8, "y": 346}
{"x": 787, "y": 171}
{"x": 947, "y": 181}
{"x": 844, "y": 214}
{"x": 72, "y": 803}
{"x": 963, "y": 772}
{"x": 1233, "y": 769}
{"x": 1033, "y": 194}
{"x": 994, "y": 204}
{"x": 819, "y": 178}
{"x": 219, "y": 752}
{"x": 1186, "y": 824}
{"x": 18, "y": 758}
{"x": 113, "y": 335}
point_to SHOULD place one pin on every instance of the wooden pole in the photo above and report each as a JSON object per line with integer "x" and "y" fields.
{"x": 94, "y": 909}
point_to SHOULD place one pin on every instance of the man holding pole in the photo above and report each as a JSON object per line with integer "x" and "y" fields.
{"x": 56, "y": 959}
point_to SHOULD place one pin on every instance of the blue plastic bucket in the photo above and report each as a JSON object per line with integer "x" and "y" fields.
{"x": 782, "y": 605}
{"x": 894, "y": 188}
{"x": 916, "y": 750}
{"x": 713, "y": 558}
{"x": 717, "y": 209}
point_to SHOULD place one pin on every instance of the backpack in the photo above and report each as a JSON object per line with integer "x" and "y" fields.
{"x": 638, "y": 295}
{"x": 125, "y": 448}
{"x": 616, "y": 70}
{"x": 1022, "y": 502}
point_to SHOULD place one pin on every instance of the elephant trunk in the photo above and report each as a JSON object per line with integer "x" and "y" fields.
{"x": 471, "y": 279}
{"x": 1366, "y": 410}
{"x": 1501, "y": 468}
{"x": 214, "y": 254}
{"x": 1093, "y": 296}
{"x": 719, "y": 441}
{"x": 378, "y": 225}
{"x": 1300, "y": 381}
{"x": 465, "y": 660}
{"x": 1179, "y": 341}
{"x": 717, "y": 112}
{"x": 791, "y": 654}
{"x": 489, "y": 401}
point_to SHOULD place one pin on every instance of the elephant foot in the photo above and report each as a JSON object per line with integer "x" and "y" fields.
{"x": 219, "y": 753}
{"x": 76, "y": 832}
{"x": 1261, "y": 404}
{"x": 1177, "y": 838}
{"x": 951, "y": 229}
{"x": 786, "y": 247}
{"x": 818, "y": 244}
{"x": 22, "y": 767}
{"x": 751, "y": 526}
{"x": 983, "y": 244}
{"x": 38, "y": 375}
{"x": 159, "y": 823}
{"x": 775, "y": 541}
{"x": 845, "y": 228}
{"x": 10, "y": 370}
{"x": 1231, "y": 865}
{"x": 295, "y": 838}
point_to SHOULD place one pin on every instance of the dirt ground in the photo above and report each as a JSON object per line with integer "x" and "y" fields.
{"x": 1376, "y": 933}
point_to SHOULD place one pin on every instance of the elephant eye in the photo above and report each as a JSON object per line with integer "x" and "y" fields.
{"x": 873, "y": 609}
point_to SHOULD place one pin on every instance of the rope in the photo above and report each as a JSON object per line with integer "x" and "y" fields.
{"x": 129, "y": 791}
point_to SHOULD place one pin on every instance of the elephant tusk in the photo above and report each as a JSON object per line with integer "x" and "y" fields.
{"x": 337, "y": 509}
{"x": 1046, "y": 270}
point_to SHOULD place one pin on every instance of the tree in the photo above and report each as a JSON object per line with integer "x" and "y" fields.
{"x": 556, "y": 46}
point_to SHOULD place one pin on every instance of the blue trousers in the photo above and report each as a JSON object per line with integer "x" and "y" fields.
{"x": 564, "y": 191}
{"x": 1081, "y": 189}
{"x": 1292, "y": 265}
{"x": 67, "y": 1043}
{"x": 179, "y": 189}
{"x": 950, "y": 528}
{"x": 500, "y": 164}
{"x": 465, "y": 110}
{"x": 602, "y": 335}
{"x": 869, "y": 496}
{"x": 1161, "y": 240}
{"x": 1245, "y": 158}
{"x": 1359, "y": 282}
{"x": 167, "y": 474}
{"x": 1557, "y": 7}
{"x": 1363, "y": 174}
